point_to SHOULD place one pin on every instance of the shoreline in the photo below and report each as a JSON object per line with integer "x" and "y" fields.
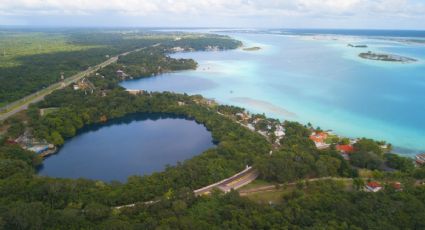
{"x": 264, "y": 105}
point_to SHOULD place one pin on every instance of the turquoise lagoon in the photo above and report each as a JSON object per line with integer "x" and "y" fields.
{"x": 317, "y": 79}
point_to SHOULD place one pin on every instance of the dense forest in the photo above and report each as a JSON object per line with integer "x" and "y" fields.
{"x": 30, "y": 201}
{"x": 35, "y": 64}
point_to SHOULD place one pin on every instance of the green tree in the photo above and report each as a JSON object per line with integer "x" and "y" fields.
{"x": 358, "y": 183}
{"x": 56, "y": 138}
{"x": 96, "y": 212}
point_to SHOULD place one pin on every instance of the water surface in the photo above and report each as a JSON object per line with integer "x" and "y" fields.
{"x": 317, "y": 79}
{"x": 134, "y": 145}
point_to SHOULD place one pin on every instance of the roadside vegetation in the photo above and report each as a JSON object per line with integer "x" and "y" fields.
{"x": 31, "y": 61}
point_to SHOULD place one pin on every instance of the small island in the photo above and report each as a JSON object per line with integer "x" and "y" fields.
{"x": 357, "y": 46}
{"x": 255, "y": 48}
{"x": 386, "y": 57}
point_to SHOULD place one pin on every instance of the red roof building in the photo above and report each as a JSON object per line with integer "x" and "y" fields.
{"x": 373, "y": 186}
{"x": 319, "y": 137}
{"x": 420, "y": 159}
{"x": 345, "y": 148}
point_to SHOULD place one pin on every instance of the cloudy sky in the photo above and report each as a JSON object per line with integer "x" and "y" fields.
{"x": 383, "y": 14}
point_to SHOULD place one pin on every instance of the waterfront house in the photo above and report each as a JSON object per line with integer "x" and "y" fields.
{"x": 420, "y": 159}
{"x": 373, "y": 186}
{"x": 39, "y": 148}
{"x": 345, "y": 150}
{"x": 121, "y": 74}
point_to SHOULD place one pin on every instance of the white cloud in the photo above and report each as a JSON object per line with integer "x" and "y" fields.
{"x": 212, "y": 9}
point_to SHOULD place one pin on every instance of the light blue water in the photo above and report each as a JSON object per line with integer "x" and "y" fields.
{"x": 317, "y": 80}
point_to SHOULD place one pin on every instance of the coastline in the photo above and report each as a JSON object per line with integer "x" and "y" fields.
{"x": 361, "y": 124}
{"x": 265, "y": 106}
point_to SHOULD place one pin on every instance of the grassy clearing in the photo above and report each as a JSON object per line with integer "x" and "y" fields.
{"x": 270, "y": 197}
{"x": 46, "y": 111}
{"x": 255, "y": 184}
{"x": 365, "y": 173}
{"x": 267, "y": 197}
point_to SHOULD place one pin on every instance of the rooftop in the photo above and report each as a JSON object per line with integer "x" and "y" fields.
{"x": 345, "y": 148}
{"x": 374, "y": 184}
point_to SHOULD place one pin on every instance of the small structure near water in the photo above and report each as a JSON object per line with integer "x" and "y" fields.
{"x": 41, "y": 147}
{"x": 420, "y": 159}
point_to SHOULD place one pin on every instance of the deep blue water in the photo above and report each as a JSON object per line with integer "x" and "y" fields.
{"x": 315, "y": 79}
{"x": 134, "y": 145}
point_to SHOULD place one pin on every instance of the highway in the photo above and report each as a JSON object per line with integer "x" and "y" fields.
{"x": 234, "y": 182}
{"x": 22, "y": 104}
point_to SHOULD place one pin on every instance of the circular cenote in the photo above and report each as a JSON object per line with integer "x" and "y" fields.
{"x": 137, "y": 144}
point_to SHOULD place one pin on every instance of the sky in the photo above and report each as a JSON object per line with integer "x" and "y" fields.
{"x": 361, "y": 14}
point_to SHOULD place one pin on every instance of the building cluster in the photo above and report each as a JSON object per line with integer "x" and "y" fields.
{"x": 205, "y": 102}
{"x": 375, "y": 186}
{"x": 177, "y": 49}
{"x": 273, "y": 130}
{"x": 323, "y": 140}
{"x": 319, "y": 139}
{"x": 28, "y": 142}
{"x": 84, "y": 84}
{"x": 212, "y": 48}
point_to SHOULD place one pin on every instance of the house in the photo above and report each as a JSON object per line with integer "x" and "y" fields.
{"x": 251, "y": 127}
{"x": 39, "y": 148}
{"x": 397, "y": 186}
{"x": 345, "y": 150}
{"x": 76, "y": 87}
{"x": 242, "y": 116}
{"x": 280, "y": 131}
{"x": 420, "y": 159}
{"x": 177, "y": 49}
{"x": 319, "y": 139}
{"x": 373, "y": 186}
{"x": 319, "y": 136}
{"x": 121, "y": 74}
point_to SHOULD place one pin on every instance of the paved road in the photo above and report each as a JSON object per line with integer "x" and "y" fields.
{"x": 22, "y": 104}
{"x": 238, "y": 180}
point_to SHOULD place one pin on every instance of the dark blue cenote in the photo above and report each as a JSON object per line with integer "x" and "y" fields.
{"x": 138, "y": 144}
